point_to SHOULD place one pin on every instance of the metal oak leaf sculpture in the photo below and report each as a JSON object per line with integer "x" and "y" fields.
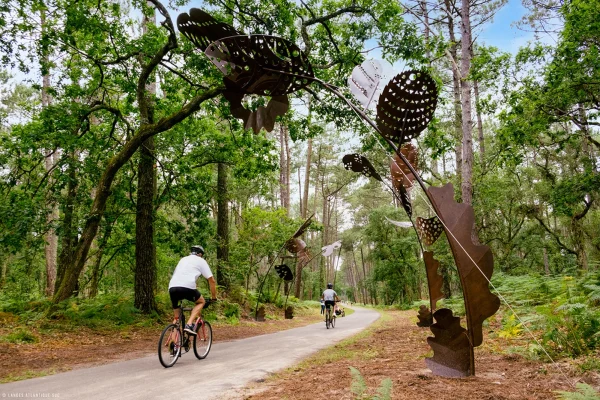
{"x": 450, "y": 344}
{"x": 434, "y": 280}
{"x": 475, "y": 263}
{"x": 425, "y": 317}
{"x": 360, "y": 164}
{"x": 406, "y": 106}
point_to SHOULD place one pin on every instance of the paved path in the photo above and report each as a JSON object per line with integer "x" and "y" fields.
{"x": 228, "y": 367}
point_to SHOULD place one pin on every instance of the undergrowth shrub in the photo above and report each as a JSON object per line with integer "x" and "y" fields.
{"x": 20, "y": 336}
{"x": 584, "y": 392}
{"x": 561, "y": 311}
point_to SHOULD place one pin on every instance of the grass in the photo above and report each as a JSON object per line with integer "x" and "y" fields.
{"x": 27, "y": 375}
{"x": 341, "y": 350}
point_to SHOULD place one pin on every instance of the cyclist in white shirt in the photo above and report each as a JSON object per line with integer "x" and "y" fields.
{"x": 183, "y": 285}
{"x": 330, "y": 297}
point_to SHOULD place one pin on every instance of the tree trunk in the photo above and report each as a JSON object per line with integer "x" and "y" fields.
{"x": 546, "y": 263}
{"x": 284, "y": 168}
{"x": 453, "y": 50}
{"x": 68, "y": 232}
{"x": 145, "y": 261}
{"x": 145, "y": 250}
{"x": 307, "y": 180}
{"x": 51, "y": 238}
{"x": 479, "y": 125}
{"x": 222, "y": 225}
{"x": 467, "y": 136}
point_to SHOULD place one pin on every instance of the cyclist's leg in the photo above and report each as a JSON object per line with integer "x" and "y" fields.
{"x": 176, "y": 298}
{"x": 197, "y": 310}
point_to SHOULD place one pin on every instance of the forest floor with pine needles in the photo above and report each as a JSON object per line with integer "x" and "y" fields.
{"x": 59, "y": 347}
{"x": 394, "y": 347}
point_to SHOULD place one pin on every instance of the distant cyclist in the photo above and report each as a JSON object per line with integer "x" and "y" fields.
{"x": 183, "y": 285}
{"x": 330, "y": 297}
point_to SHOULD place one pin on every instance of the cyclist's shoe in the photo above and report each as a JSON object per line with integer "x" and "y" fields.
{"x": 189, "y": 329}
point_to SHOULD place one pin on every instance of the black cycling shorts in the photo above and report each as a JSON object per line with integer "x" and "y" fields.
{"x": 183, "y": 293}
{"x": 329, "y": 303}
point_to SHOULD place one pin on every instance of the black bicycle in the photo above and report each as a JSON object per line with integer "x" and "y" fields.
{"x": 329, "y": 317}
{"x": 174, "y": 341}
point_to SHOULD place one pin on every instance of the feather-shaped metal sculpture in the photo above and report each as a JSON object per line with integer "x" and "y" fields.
{"x": 401, "y": 174}
{"x": 326, "y": 251}
{"x": 202, "y": 29}
{"x": 360, "y": 164}
{"x": 284, "y": 272}
{"x": 252, "y": 64}
{"x": 429, "y": 229}
{"x": 261, "y": 64}
{"x": 401, "y": 224}
{"x": 406, "y": 106}
{"x": 364, "y": 82}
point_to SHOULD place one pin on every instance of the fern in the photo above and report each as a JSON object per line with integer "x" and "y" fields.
{"x": 584, "y": 392}
{"x": 385, "y": 390}
{"x": 359, "y": 387}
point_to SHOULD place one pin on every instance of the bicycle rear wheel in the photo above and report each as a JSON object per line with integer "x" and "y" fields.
{"x": 327, "y": 318}
{"x": 203, "y": 341}
{"x": 169, "y": 346}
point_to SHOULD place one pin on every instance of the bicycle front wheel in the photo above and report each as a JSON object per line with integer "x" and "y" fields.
{"x": 203, "y": 341}
{"x": 169, "y": 346}
{"x": 332, "y": 321}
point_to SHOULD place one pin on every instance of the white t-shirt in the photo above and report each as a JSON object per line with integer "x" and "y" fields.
{"x": 329, "y": 294}
{"x": 188, "y": 270}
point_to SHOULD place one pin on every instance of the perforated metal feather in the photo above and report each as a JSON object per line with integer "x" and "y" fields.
{"x": 261, "y": 64}
{"x": 202, "y": 29}
{"x": 406, "y": 106}
{"x": 357, "y": 163}
{"x": 364, "y": 83}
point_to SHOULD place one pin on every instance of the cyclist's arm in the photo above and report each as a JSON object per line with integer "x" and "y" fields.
{"x": 337, "y": 298}
{"x": 212, "y": 284}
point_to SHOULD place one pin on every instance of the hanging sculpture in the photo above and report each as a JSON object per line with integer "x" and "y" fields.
{"x": 270, "y": 66}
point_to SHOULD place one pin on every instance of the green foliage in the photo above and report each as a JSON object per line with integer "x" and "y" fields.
{"x": 556, "y": 309}
{"x": 584, "y": 392}
{"x": 20, "y": 336}
{"x": 360, "y": 390}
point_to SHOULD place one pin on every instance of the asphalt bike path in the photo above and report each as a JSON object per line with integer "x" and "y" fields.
{"x": 229, "y": 367}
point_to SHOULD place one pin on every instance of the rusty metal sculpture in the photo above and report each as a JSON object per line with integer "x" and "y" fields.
{"x": 360, "y": 164}
{"x": 270, "y": 66}
{"x": 251, "y": 64}
{"x": 429, "y": 229}
{"x": 284, "y": 272}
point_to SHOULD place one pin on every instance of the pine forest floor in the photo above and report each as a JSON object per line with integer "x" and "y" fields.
{"x": 394, "y": 347}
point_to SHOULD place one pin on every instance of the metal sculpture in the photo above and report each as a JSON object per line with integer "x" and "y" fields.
{"x": 326, "y": 251}
{"x": 270, "y": 66}
{"x": 406, "y": 106}
{"x": 364, "y": 82}
{"x": 401, "y": 174}
{"x": 429, "y": 229}
{"x": 284, "y": 272}
{"x": 360, "y": 164}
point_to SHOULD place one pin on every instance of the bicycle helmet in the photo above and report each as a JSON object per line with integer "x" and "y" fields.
{"x": 330, "y": 285}
{"x": 197, "y": 249}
